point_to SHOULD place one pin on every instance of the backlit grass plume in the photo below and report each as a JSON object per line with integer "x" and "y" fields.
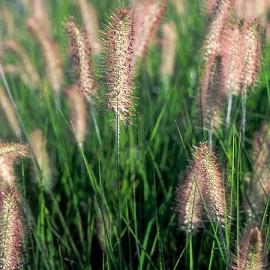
{"x": 90, "y": 20}
{"x": 250, "y": 251}
{"x": 148, "y": 15}
{"x": 39, "y": 147}
{"x": 203, "y": 191}
{"x": 212, "y": 43}
{"x": 169, "y": 46}
{"x": 9, "y": 153}
{"x": 78, "y": 113}
{"x": 9, "y": 112}
{"x": 81, "y": 55}
{"x": 51, "y": 53}
{"x": 119, "y": 62}
{"x": 11, "y": 231}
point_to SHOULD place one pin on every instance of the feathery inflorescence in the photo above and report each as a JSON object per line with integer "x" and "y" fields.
{"x": 51, "y": 53}
{"x": 11, "y": 231}
{"x": 78, "y": 111}
{"x": 39, "y": 147}
{"x": 90, "y": 20}
{"x": 169, "y": 46}
{"x": 81, "y": 56}
{"x": 251, "y": 49}
{"x": 9, "y": 153}
{"x": 202, "y": 192}
{"x": 119, "y": 62}
{"x": 9, "y": 112}
{"x": 212, "y": 43}
{"x": 148, "y": 15}
{"x": 251, "y": 251}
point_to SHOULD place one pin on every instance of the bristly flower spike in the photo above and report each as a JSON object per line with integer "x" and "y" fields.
{"x": 11, "y": 231}
{"x": 212, "y": 43}
{"x": 251, "y": 251}
{"x": 119, "y": 63}
{"x": 81, "y": 56}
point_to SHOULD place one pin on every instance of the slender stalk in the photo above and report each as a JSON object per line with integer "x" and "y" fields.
{"x": 244, "y": 111}
{"x": 229, "y": 110}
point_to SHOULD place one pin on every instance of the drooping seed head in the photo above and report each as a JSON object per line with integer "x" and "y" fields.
{"x": 212, "y": 43}
{"x": 9, "y": 112}
{"x": 119, "y": 62}
{"x": 78, "y": 112}
{"x": 9, "y": 153}
{"x": 11, "y": 231}
{"x": 90, "y": 19}
{"x": 251, "y": 251}
{"x": 39, "y": 147}
{"x": 81, "y": 56}
{"x": 51, "y": 53}
{"x": 148, "y": 15}
{"x": 169, "y": 46}
{"x": 251, "y": 53}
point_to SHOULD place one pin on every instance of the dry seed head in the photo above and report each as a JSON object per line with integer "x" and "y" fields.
{"x": 212, "y": 43}
{"x": 51, "y": 53}
{"x": 231, "y": 59}
{"x": 251, "y": 49}
{"x": 11, "y": 231}
{"x": 25, "y": 61}
{"x": 78, "y": 112}
{"x": 39, "y": 147}
{"x": 251, "y": 251}
{"x": 169, "y": 46}
{"x": 148, "y": 15}
{"x": 119, "y": 63}
{"x": 212, "y": 94}
{"x": 81, "y": 55}
{"x": 9, "y": 112}
{"x": 90, "y": 20}
{"x": 9, "y": 153}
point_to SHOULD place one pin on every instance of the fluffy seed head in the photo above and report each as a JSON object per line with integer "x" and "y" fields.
{"x": 148, "y": 15}
{"x": 212, "y": 43}
{"x": 90, "y": 19}
{"x": 9, "y": 112}
{"x": 251, "y": 48}
{"x": 78, "y": 112}
{"x": 39, "y": 147}
{"x": 9, "y": 153}
{"x": 231, "y": 59}
{"x": 81, "y": 56}
{"x": 51, "y": 53}
{"x": 251, "y": 251}
{"x": 119, "y": 63}
{"x": 169, "y": 46}
{"x": 11, "y": 231}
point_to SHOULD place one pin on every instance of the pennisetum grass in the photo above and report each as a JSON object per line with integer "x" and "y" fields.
{"x": 11, "y": 231}
{"x": 251, "y": 254}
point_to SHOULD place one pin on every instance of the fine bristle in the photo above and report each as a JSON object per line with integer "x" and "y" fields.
{"x": 119, "y": 63}
{"x": 81, "y": 56}
{"x": 251, "y": 251}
